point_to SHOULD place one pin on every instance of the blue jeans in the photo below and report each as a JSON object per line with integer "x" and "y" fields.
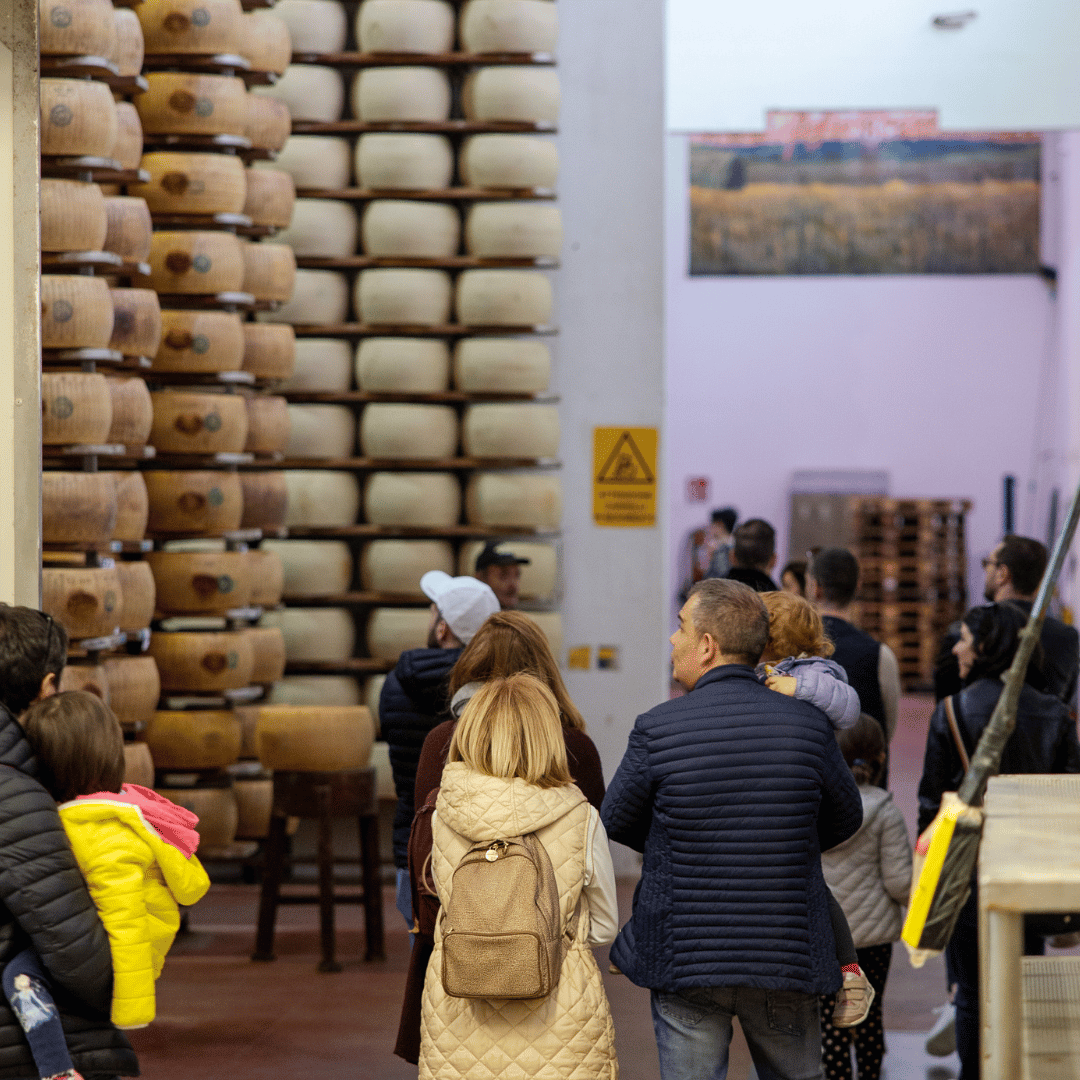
{"x": 26, "y": 987}
{"x": 693, "y": 1032}
{"x": 403, "y": 897}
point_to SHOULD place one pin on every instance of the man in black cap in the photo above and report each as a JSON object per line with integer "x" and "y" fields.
{"x": 501, "y": 571}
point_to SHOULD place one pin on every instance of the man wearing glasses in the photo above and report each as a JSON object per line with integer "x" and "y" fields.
{"x": 33, "y": 650}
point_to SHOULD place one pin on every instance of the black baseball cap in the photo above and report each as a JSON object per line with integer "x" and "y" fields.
{"x": 491, "y": 556}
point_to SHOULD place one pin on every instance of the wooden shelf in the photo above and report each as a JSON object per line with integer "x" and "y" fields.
{"x": 357, "y": 665}
{"x": 454, "y": 194}
{"x": 452, "y": 262}
{"x": 198, "y": 63}
{"x": 96, "y": 68}
{"x": 416, "y": 532}
{"x": 399, "y": 59}
{"x": 445, "y": 397}
{"x": 223, "y": 301}
{"x": 361, "y": 464}
{"x": 98, "y": 170}
{"x": 229, "y": 144}
{"x": 217, "y": 222}
{"x": 214, "y": 379}
{"x": 429, "y": 127}
{"x": 447, "y": 330}
{"x": 86, "y": 359}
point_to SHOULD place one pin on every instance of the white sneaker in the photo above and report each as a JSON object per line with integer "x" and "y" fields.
{"x": 941, "y": 1038}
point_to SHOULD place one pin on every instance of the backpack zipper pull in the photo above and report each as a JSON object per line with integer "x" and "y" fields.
{"x": 495, "y": 850}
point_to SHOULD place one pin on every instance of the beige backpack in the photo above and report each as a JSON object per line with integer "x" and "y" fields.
{"x": 502, "y": 934}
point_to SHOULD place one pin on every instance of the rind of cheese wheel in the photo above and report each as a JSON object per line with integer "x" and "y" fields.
{"x": 216, "y": 809}
{"x": 194, "y": 661}
{"x": 550, "y": 623}
{"x": 196, "y": 263}
{"x": 197, "y": 740}
{"x": 206, "y": 503}
{"x": 76, "y": 407}
{"x": 315, "y": 161}
{"x": 179, "y": 103}
{"x": 269, "y": 350}
{"x": 130, "y": 48}
{"x": 137, "y": 325}
{"x": 192, "y": 183}
{"x": 321, "y": 431}
{"x": 89, "y": 677}
{"x": 137, "y": 588}
{"x": 372, "y": 693}
{"x": 322, "y": 364}
{"x": 528, "y": 94}
{"x": 76, "y": 312}
{"x": 312, "y": 93}
{"x": 72, "y": 216}
{"x": 321, "y": 228}
{"x": 200, "y": 341}
{"x": 401, "y": 93}
{"x": 86, "y": 602}
{"x": 191, "y": 26}
{"x": 268, "y": 424}
{"x": 266, "y": 500}
{"x": 509, "y": 26}
{"x": 503, "y": 298}
{"x": 270, "y": 197}
{"x": 396, "y": 566}
{"x": 265, "y": 41}
{"x": 514, "y": 229}
{"x": 134, "y": 687}
{"x": 315, "y": 26}
{"x": 316, "y": 690}
{"x": 269, "y": 271}
{"x": 520, "y": 500}
{"x": 77, "y": 117}
{"x": 128, "y": 147}
{"x": 269, "y": 577}
{"x": 130, "y": 228}
{"x": 201, "y": 582}
{"x": 510, "y": 430}
{"x": 320, "y": 298}
{"x": 76, "y": 27}
{"x": 313, "y": 567}
{"x": 194, "y": 423}
{"x": 314, "y": 633}
{"x": 409, "y": 432}
{"x": 538, "y": 579}
{"x": 78, "y": 507}
{"x": 403, "y": 365}
{"x": 391, "y": 631}
{"x": 404, "y": 228}
{"x": 432, "y": 500}
{"x": 314, "y": 739}
{"x": 268, "y": 647}
{"x": 410, "y": 162}
{"x": 403, "y": 297}
{"x": 405, "y": 26}
{"x": 322, "y": 497}
{"x": 254, "y": 807}
{"x": 132, "y": 506}
{"x": 267, "y": 122}
{"x": 132, "y": 412}
{"x": 502, "y": 365}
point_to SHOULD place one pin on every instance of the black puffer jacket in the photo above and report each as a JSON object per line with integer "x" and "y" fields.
{"x": 44, "y": 904}
{"x": 414, "y": 699}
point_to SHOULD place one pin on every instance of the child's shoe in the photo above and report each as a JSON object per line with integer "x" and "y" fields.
{"x": 853, "y": 1001}
{"x": 67, "y": 1074}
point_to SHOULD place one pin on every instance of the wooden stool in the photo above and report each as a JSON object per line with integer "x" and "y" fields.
{"x": 324, "y": 796}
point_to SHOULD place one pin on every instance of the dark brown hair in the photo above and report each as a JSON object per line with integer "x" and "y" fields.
{"x": 836, "y": 571}
{"x": 32, "y": 645}
{"x": 1025, "y": 559}
{"x": 733, "y": 615}
{"x": 78, "y": 743}
{"x": 863, "y": 747}
{"x": 755, "y": 544}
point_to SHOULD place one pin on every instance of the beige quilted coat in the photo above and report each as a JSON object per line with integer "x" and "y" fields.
{"x": 566, "y": 1036}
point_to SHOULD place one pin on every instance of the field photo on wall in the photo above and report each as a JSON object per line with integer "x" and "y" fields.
{"x": 863, "y": 193}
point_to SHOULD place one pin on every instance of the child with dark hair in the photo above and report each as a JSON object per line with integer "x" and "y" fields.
{"x": 136, "y": 851}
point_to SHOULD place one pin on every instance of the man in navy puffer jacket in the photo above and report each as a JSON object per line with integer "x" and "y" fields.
{"x": 731, "y": 792}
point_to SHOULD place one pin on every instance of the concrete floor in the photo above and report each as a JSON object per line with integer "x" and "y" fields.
{"x": 220, "y": 1015}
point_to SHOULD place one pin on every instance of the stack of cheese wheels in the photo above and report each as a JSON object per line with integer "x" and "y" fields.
{"x": 78, "y": 508}
{"x": 268, "y": 575}
{"x": 315, "y": 633}
{"x": 315, "y": 162}
{"x": 321, "y": 431}
{"x": 404, "y": 162}
{"x": 200, "y": 342}
{"x": 138, "y": 764}
{"x": 409, "y": 432}
{"x": 129, "y": 228}
{"x": 520, "y": 500}
{"x": 312, "y": 93}
{"x": 270, "y": 350}
{"x": 510, "y": 431}
{"x": 254, "y": 806}
{"x": 502, "y": 365}
{"x": 539, "y": 577}
{"x": 517, "y": 162}
{"x": 269, "y": 271}
{"x": 265, "y": 42}
{"x": 392, "y": 630}
{"x": 128, "y": 146}
{"x": 315, "y": 26}
{"x": 129, "y": 49}
{"x": 321, "y": 498}
{"x": 316, "y": 690}
{"x": 321, "y": 364}
{"x": 314, "y": 738}
{"x": 425, "y": 499}
{"x": 396, "y": 566}
{"x": 509, "y": 26}
{"x": 313, "y": 567}
{"x": 268, "y": 647}
{"x": 403, "y": 365}
{"x": 321, "y": 228}
{"x": 267, "y": 123}
{"x": 86, "y": 602}
{"x": 88, "y": 677}
{"x": 503, "y": 298}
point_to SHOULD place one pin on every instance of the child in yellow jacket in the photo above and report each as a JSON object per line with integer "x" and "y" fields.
{"x": 136, "y": 850}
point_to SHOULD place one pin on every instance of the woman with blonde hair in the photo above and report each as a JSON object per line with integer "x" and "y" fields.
{"x": 506, "y": 775}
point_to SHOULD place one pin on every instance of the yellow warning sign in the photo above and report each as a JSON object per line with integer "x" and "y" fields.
{"x": 624, "y": 477}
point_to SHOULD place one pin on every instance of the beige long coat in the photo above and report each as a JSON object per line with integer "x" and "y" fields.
{"x": 566, "y": 1036}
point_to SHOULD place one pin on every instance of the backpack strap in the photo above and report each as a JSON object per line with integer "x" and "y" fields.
{"x": 954, "y": 727}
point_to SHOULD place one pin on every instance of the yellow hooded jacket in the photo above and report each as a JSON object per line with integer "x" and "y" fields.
{"x": 136, "y": 880}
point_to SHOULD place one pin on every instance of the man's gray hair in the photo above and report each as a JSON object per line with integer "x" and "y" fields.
{"x": 733, "y": 615}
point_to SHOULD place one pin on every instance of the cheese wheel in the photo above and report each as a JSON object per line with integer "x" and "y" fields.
{"x": 517, "y": 500}
{"x": 550, "y": 623}
{"x": 72, "y": 216}
{"x": 77, "y": 117}
{"x": 200, "y": 341}
{"x": 372, "y": 693}
{"x": 202, "y": 661}
{"x": 132, "y": 506}
{"x": 267, "y": 122}
{"x": 313, "y": 567}
{"x": 396, "y": 566}
{"x": 402, "y": 228}
{"x": 248, "y": 715}
{"x": 315, "y": 26}
{"x": 86, "y": 602}
{"x": 268, "y": 648}
{"x": 134, "y": 687}
{"x": 76, "y": 28}
{"x": 403, "y": 365}
{"x": 509, "y": 26}
{"x": 268, "y": 424}
{"x": 76, "y": 312}
{"x": 503, "y": 298}
{"x": 529, "y": 94}
{"x": 269, "y": 271}
{"x": 538, "y": 579}
{"x": 430, "y": 500}
{"x": 202, "y": 582}
{"x": 137, "y": 323}
{"x": 514, "y": 229}
{"x": 195, "y": 739}
{"x": 321, "y": 431}
{"x": 137, "y": 589}
{"x": 192, "y": 183}
{"x": 322, "y": 498}
{"x": 510, "y": 430}
{"x": 314, "y": 633}
{"x": 191, "y": 26}
{"x": 77, "y": 508}
{"x": 403, "y": 297}
{"x": 321, "y": 228}
{"x": 132, "y": 412}
{"x": 203, "y": 503}
{"x": 179, "y": 103}
{"x": 315, "y": 161}
{"x": 129, "y": 228}
{"x": 127, "y": 148}
{"x": 188, "y": 422}
{"x": 401, "y": 93}
{"x": 405, "y": 26}
{"x": 404, "y": 161}
{"x": 215, "y": 807}
{"x": 254, "y": 806}
{"x": 75, "y": 408}
{"x": 316, "y": 690}
{"x": 90, "y": 678}
{"x": 268, "y": 577}
{"x": 196, "y": 263}
{"x": 501, "y": 365}
{"x": 312, "y": 93}
{"x": 270, "y": 197}
{"x": 265, "y": 42}
{"x": 269, "y": 350}
{"x": 391, "y": 631}
{"x": 266, "y": 500}
{"x": 320, "y": 298}
{"x": 314, "y": 738}
{"x": 129, "y": 47}
{"x": 410, "y": 432}
{"x": 322, "y": 364}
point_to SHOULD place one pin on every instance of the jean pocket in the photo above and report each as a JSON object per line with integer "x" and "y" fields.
{"x": 681, "y": 1007}
{"x": 789, "y": 1012}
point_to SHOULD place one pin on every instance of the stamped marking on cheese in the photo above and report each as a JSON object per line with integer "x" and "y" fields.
{"x": 110, "y": 601}
{"x": 205, "y": 585}
{"x": 178, "y": 262}
{"x": 60, "y": 115}
{"x": 189, "y": 424}
{"x": 60, "y": 17}
{"x": 179, "y": 339}
{"x": 176, "y": 22}
{"x": 216, "y": 662}
{"x": 200, "y": 17}
{"x": 123, "y": 321}
{"x": 212, "y": 422}
{"x": 191, "y": 502}
{"x": 201, "y": 264}
{"x": 225, "y": 584}
{"x": 62, "y": 311}
{"x": 200, "y": 344}
{"x": 175, "y": 183}
{"x": 204, "y": 107}
{"x": 62, "y": 407}
{"x": 182, "y": 101}
{"x": 215, "y": 497}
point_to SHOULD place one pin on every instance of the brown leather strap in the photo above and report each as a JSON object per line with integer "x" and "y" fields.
{"x": 954, "y": 727}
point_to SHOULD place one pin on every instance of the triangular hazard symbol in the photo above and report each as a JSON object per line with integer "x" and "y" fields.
{"x": 625, "y": 464}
